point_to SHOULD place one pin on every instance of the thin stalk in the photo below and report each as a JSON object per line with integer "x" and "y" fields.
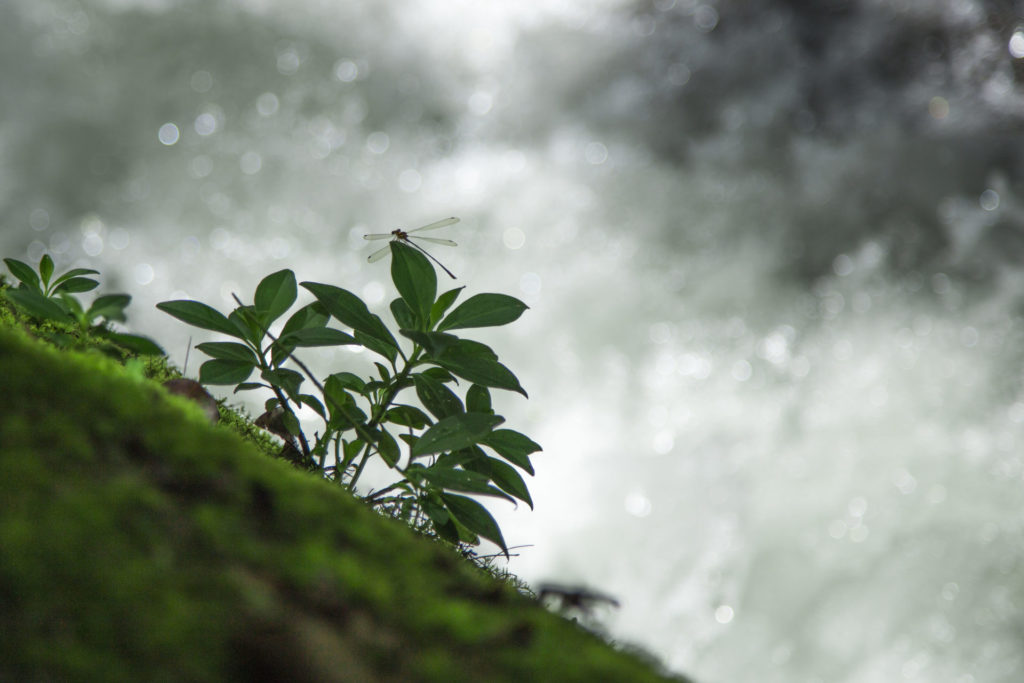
{"x": 382, "y": 408}
{"x": 372, "y": 498}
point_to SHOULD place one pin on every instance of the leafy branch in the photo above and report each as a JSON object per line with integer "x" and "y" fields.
{"x": 443, "y": 451}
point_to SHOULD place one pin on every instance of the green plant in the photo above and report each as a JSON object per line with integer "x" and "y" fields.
{"x": 44, "y": 297}
{"x": 444, "y": 452}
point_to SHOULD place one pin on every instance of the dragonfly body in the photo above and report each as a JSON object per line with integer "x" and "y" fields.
{"x": 404, "y": 236}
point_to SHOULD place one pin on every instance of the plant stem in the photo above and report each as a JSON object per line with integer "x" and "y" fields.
{"x": 372, "y": 498}
{"x": 382, "y": 408}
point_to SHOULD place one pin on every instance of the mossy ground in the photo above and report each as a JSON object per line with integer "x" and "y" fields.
{"x": 139, "y": 542}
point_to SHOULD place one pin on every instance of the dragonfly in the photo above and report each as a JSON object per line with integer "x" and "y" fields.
{"x": 407, "y": 237}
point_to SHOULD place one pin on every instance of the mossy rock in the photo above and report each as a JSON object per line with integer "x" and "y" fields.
{"x": 138, "y": 542}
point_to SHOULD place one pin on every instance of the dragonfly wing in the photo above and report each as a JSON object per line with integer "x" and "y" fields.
{"x": 436, "y": 224}
{"x": 436, "y": 240}
{"x": 378, "y": 255}
{"x": 378, "y": 236}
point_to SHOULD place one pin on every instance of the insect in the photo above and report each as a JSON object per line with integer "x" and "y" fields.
{"x": 578, "y": 598}
{"x": 405, "y": 236}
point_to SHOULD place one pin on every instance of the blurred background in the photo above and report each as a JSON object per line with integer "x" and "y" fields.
{"x": 774, "y": 254}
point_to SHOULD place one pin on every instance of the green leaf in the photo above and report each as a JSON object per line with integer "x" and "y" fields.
{"x": 434, "y": 343}
{"x": 440, "y": 374}
{"x": 383, "y": 372}
{"x": 348, "y": 380}
{"x": 478, "y": 399}
{"x": 314, "y": 403}
{"x": 220, "y": 371}
{"x": 407, "y": 416}
{"x": 387, "y": 350}
{"x": 200, "y": 315}
{"x": 351, "y": 311}
{"x": 291, "y": 423}
{"x": 455, "y": 432}
{"x": 474, "y": 517}
{"x": 507, "y": 479}
{"x": 310, "y": 315}
{"x": 466, "y": 360}
{"x": 46, "y": 269}
{"x": 75, "y": 285}
{"x": 475, "y": 348}
{"x": 460, "y": 480}
{"x": 249, "y": 386}
{"x": 388, "y": 448}
{"x": 74, "y": 307}
{"x": 24, "y": 273}
{"x": 229, "y": 351}
{"x": 513, "y": 446}
{"x": 35, "y": 304}
{"x": 247, "y": 325}
{"x": 289, "y": 380}
{"x": 74, "y": 272}
{"x": 402, "y": 314}
{"x": 436, "y": 397}
{"x": 437, "y": 513}
{"x": 444, "y": 526}
{"x": 274, "y": 295}
{"x": 350, "y": 451}
{"x": 465, "y": 457}
{"x": 344, "y": 412}
{"x": 414, "y": 278}
{"x": 484, "y": 310}
{"x": 317, "y": 336}
{"x": 143, "y": 346}
{"x": 109, "y": 307}
{"x": 443, "y": 303}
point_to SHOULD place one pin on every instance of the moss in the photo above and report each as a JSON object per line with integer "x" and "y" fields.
{"x": 140, "y": 542}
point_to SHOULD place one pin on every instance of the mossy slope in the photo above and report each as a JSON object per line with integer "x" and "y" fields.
{"x": 140, "y": 543}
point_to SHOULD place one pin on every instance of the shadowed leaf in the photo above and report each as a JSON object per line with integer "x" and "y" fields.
{"x": 34, "y": 303}
{"x": 274, "y": 295}
{"x": 76, "y": 285}
{"x": 455, "y": 432}
{"x": 474, "y": 517}
{"x": 24, "y": 273}
{"x": 228, "y": 351}
{"x": 219, "y": 371}
{"x": 351, "y": 311}
{"x": 200, "y": 315}
{"x": 436, "y": 397}
{"x": 513, "y": 446}
{"x": 414, "y": 279}
{"x": 484, "y": 310}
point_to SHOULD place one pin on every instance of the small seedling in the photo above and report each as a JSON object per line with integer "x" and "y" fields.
{"x": 44, "y": 297}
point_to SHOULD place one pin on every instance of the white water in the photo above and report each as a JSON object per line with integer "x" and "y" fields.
{"x": 772, "y": 257}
